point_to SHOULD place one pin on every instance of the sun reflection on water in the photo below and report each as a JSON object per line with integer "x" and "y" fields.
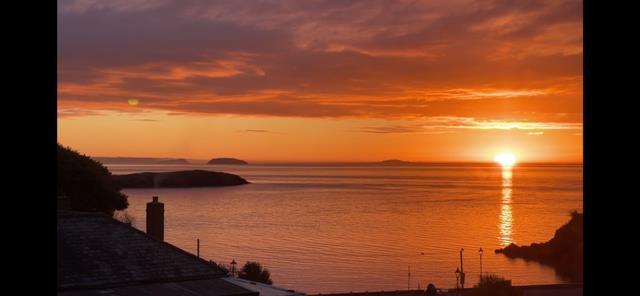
{"x": 506, "y": 218}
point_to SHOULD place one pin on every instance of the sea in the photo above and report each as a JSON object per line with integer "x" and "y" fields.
{"x": 356, "y": 228}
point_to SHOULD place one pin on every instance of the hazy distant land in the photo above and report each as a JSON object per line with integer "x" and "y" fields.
{"x": 141, "y": 160}
{"x": 172, "y": 161}
{"x": 235, "y": 161}
{"x": 394, "y": 162}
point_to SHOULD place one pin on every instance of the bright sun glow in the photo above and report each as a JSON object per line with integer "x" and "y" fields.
{"x": 505, "y": 159}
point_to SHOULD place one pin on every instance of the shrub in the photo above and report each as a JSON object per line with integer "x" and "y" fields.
{"x": 87, "y": 183}
{"x": 493, "y": 285}
{"x": 254, "y": 271}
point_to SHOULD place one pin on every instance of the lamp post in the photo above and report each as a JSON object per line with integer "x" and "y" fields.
{"x": 480, "y": 252}
{"x": 408, "y": 277}
{"x": 457, "y": 272}
{"x": 233, "y": 268}
{"x": 461, "y": 270}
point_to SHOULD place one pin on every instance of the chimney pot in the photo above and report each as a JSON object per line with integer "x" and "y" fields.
{"x": 155, "y": 219}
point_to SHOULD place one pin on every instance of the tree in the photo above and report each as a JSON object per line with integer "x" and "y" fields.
{"x": 87, "y": 183}
{"x": 254, "y": 271}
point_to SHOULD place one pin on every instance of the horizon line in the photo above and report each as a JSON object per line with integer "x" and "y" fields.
{"x": 347, "y": 162}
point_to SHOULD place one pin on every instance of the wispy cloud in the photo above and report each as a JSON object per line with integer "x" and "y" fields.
{"x": 400, "y": 129}
{"x": 76, "y": 112}
{"x": 441, "y": 125}
{"x": 255, "y": 131}
{"x": 476, "y": 94}
{"x": 145, "y": 119}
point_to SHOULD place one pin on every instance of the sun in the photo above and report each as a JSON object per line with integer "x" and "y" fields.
{"x": 505, "y": 159}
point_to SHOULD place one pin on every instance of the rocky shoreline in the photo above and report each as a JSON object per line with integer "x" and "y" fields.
{"x": 563, "y": 252}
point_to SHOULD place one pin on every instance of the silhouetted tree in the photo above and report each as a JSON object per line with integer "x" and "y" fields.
{"x": 87, "y": 183}
{"x": 254, "y": 271}
{"x": 493, "y": 285}
{"x": 431, "y": 290}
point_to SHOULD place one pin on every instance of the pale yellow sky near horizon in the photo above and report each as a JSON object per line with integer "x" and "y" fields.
{"x": 155, "y": 134}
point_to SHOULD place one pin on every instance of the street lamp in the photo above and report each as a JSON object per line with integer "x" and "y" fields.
{"x": 461, "y": 269}
{"x": 233, "y": 268}
{"x": 480, "y": 252}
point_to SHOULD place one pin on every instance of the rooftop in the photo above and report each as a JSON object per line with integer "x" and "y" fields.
{"x": 263, "y": 289}
{"x": 96, "y": 252}
{"x": 210, "y": 287}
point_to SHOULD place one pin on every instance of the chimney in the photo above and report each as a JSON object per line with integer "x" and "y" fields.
{"x": 155, "y": 219}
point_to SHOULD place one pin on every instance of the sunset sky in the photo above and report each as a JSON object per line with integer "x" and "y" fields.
{"x": 321, "y": 80}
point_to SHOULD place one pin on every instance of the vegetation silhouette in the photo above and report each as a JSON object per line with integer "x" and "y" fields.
{"x": 563, "y": 251}
{"x": 493, "y": 285}
{"x": 254, "y": 271}
{"x": 87, "y": 183}
{"x": 431, "y": 290}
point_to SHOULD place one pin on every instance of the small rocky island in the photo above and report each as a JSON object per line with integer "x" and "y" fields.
{"x": 394, "y": 162}
{"x": 179, "y": 179}
{"x": 226, "y": 160}
{"x": 563, "y": 251}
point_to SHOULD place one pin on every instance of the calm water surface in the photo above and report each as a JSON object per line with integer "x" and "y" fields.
{"x": 341, "y": 229}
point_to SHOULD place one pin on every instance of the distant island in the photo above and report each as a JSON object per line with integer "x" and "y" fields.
{"x": 563, "y": 251}
{"x": 179, "y": 179}
{"x": 394, "y": 162}
{"x": 226, "y": 160}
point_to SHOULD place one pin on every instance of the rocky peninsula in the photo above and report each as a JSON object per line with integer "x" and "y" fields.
{"x": 563, "y": 251}
{"x": 179, "y": 179}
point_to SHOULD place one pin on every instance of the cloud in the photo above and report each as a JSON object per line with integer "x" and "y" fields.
{"x": 256, "y": 131}
{"x": 489, "y": 60}
{"x": 145, "y": 120}
{"x": 76, "y": 112}
{"x": 440, "y": 125}
{"x": 400, "y": 129}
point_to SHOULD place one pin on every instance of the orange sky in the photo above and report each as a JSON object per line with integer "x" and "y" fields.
{"x": 322, "y": 80}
